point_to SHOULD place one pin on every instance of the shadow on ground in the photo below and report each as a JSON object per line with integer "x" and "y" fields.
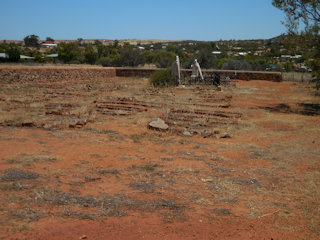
{"x": 308, "y": 109}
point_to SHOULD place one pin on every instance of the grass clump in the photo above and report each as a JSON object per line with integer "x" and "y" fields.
{"x": 29, "y": 159}
{"x": 162, "y": 78}
{"x": 150, "y": 167}
{"x": 14, "y": 175}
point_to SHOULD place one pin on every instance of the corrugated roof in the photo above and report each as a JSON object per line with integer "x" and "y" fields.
{"x": 52, "y": 55}
{"x": 3, "y": 55}
{"x": 26, "y": 57}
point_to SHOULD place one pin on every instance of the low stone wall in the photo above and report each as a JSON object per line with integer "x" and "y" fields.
{"x": 48, "y": 73}
{"x": 57, "y": 73}
{"x": 239, "y": 75}
{"x": 135, "y": 72}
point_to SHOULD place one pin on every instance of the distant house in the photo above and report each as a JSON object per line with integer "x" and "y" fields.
{"x": 141, "y": 48}
{"x": 305, "y": 68}
{"x": 297, "y": 56}
{"x": 243, "y": 53}
{"x": 286, "y": 57}
{"x": 216, "y": 52}
{"x": 49, "y": 44}
{"x": 53, "y": 57}
{"x": 26, "y": 57}
{"x": 3, "y": 55}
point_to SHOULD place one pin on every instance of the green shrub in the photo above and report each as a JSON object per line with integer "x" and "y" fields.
{"x": 164, "y": 59}
{"x": 162, "y": 78}
{"x": 13, "y": 54}
{"x": 105, "y": 61}
{"x": 38, "y": 58}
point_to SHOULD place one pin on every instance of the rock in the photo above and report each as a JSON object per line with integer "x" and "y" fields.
{"x": 83, "y": 237}
{"x": 81, "y": 123}
{"x": 205, "y": 133}
{"x": 206, "y": 179}
{"x": 158, "y": 124}
{"x": 226, "y": 135}
{"x": 187, "y": 133}
{"x": 28, "y": 124}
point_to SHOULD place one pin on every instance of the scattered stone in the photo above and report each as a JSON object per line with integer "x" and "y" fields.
{"x": 206, "y": 179}
{"x": 83, "y": 237}
{"x": 187, "y": 133}
{"x": 89, "y": 179}
{"x": 81, "y": 123}
{"x": 158, "y": 124}
{"x": 166, "y": 158}
{"x": 226, "y": 135}
{"x": 108, "y": 171}
{"x": 28, "y": 124}
{"x": 205, "y": 133}
{"x": 24, "y": 124}
{"x": 216, "y": 131}
{"x": 222, "y": 211}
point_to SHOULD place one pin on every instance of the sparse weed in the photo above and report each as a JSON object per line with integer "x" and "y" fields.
{"x": 27, "y": 159}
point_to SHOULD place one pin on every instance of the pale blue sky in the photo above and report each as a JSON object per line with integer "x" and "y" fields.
{"x": 144, "y": 19}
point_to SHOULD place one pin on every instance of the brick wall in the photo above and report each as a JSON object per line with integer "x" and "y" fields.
{"x": 240, "y": 75}
{"x": 24, "y": 73}
{"x": 56, "y": 73}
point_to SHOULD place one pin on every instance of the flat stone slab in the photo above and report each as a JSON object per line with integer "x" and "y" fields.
{"x": 158, "y": 124}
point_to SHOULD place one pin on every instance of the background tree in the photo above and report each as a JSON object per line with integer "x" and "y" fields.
{"x": 90, "y": 54}
{"x": 106, "y": 61}
{"x": 49, "y": 39}
{"x": 13, "y": 54}
{"x": 306, "y": 12}
{"x": 80, "y": 40}
{"x": 70, "y": 52}
{"x": 164, "y": 59}
{"x": 297, "y": 11}
{"x": 236, "y": 65}
{"x": 116, "y": 43}
{"x": 206, "y": 59}
{"x": 31, "y": 41}
{"x": 150, "y": 57}
{"x": 131, "y": 57}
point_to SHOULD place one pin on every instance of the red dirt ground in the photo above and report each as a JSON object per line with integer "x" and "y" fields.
{"x": 113, "y": 178}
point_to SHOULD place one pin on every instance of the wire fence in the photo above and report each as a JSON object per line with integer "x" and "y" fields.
{"x": 296, "y": 76}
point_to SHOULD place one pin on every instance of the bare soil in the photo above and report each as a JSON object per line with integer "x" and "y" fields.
{"x": 78, "y": 161}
